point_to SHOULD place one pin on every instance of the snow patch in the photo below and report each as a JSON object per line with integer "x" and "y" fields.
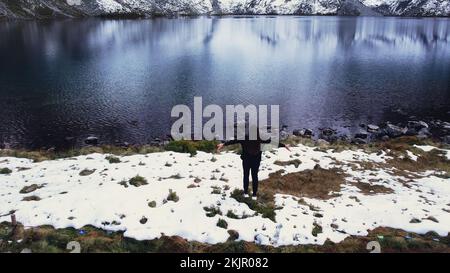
{"x": 74, "y": 2}
{"x": 68, "y": 199}
{"x": 109, "y": 6}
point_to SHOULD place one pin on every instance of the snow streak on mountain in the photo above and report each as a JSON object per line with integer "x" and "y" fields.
{"x": 146, "y": 8}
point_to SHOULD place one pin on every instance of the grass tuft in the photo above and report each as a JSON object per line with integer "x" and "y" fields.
{"x": 112, "y": 159}
{"x": 315, "y": 183}
{"x": 212, "y": 211}
{"x": 264, "y": 205}
{"x": 222, "y": 223}
{"x": 138, "y": 181}
{"x": 5, "y": 171}
{"x": 316, "y": 230}
{"x": 231, "y": 214}
{"x": 172, "y": 196}
{"x": 191, "y": 147}
{"x": 295, "y": 162}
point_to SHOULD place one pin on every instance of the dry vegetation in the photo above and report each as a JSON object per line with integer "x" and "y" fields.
{"x": 315, "y": 183}
{"x": 432, "y": 160}
{"x": 91, "y": 239}
{"x": 369, "y": 189}
{"x": 326, "y": 183}
{"x": 41, "y": 155}
{"x": 295, "y": 162}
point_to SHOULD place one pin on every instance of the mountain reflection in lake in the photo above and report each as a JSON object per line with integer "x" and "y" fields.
{"x": 119, "y": 79}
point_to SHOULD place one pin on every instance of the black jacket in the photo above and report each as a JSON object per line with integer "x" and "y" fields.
{"x": 251, "y": 147}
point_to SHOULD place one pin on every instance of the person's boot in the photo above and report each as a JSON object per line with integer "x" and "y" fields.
{"x": 246, "y": 195}
{"x": 254, "y": 197}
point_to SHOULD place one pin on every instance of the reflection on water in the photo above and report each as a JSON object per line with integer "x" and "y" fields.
{"x": 119, "y": 79}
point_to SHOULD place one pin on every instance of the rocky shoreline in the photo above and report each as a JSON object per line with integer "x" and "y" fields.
{"x": 436, "y": 130}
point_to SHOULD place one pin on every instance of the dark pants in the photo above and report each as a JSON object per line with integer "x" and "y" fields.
{"x": 251, "y": 163}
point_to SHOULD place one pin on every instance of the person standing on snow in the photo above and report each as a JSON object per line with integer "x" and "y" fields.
{"x": 251, "y": 159}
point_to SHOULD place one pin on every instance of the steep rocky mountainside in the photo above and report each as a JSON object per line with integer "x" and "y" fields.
{"x": 23, "y": 9}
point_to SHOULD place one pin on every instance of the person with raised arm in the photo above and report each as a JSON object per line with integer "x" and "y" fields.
{"x": 251, "y": 159}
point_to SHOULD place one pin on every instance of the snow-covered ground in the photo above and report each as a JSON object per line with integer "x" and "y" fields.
{"x": 68, "y": 199}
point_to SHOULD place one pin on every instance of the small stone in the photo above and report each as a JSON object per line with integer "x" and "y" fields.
{"x": 322, "y": 142}
{"x": 418, "y": 125}
{"x": 372, "y": 128}
{"x": 298, "y": 132}
{"x": 234, "y": 235}
{"x": 86, "y": 172}
{"x": 394, "y": 130}
{"x": 303, "y": 132}
{"x": 327, "y": 131}
{"x": 362, "y": 135}
{"x": 308, "y": 132}
{"x": 421, "y": 136}
{"x": 431, "y": 218}
{"x": 143, "y": 220}
{"x": 31, "y": 198}
{"x": 28, "y": 189}
{"x": 358, "y": 140}
{"x": 446, "y": 139}
{"x": 91, "y": 140}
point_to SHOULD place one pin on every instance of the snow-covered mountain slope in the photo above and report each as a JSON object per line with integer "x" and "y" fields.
{"x": 410, "y": 7}
{"x": 147, "y": 8}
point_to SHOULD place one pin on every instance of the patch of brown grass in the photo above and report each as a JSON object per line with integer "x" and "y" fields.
{"x": 295, "y": 140}
{"x": 295, "y": 162}
{"x": 315, "y": 183}
{"x": 403, "y": 143}
{"x": 49, "y": 239}
{"x": 42, "y": 155}
{"x": 400, "y": 164}
{"x": 433, "y": 160}
{"x": 369, "y": 189}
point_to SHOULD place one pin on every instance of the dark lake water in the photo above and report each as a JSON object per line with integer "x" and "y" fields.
{"x": 119, "y": 79}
